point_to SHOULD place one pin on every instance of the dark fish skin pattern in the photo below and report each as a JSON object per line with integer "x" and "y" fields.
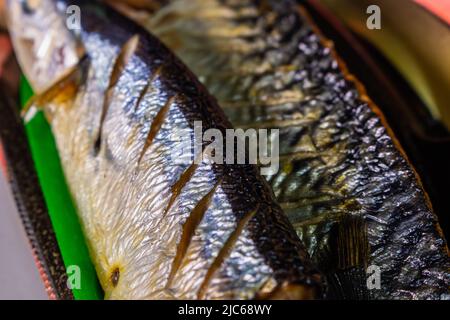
{"x": 266, "y": 258}
{"x": 344, "y": 181}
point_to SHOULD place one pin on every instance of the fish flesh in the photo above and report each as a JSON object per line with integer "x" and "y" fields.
{"x": 155, "y": 227}
{"x": 345, "y": 182}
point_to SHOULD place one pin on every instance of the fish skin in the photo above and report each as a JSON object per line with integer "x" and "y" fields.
{"x": 117, "y": 160}
{"x": 269, "y": 67}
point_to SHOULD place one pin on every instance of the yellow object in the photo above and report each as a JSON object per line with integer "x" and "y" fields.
{"x": 414, "y": 40}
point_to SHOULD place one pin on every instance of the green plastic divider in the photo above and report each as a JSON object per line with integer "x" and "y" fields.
{"x": 59, "y": 203}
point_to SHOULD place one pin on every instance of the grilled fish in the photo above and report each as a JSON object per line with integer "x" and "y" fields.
{"x": 345, "y": 182}
{"x": 156, "y": 227}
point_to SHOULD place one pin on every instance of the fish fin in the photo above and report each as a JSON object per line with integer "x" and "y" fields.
{"x": 347, "y": 264}
{"x": 349, "y": 284}
{"x": 62, "y": 91}
{"x": 352, "y": 242}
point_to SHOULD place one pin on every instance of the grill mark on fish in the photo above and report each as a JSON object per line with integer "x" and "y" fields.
{"x": 155, "y": 127}
{"x": 147, "y": 86}
{"x": 224, "y": 252}
{"x": 189, "y": 227}
{"x": 142, "y": 95}
{"x": 185, "y": 177}
{"x": 177, "y": 187}
{"x": 125, "y": 54}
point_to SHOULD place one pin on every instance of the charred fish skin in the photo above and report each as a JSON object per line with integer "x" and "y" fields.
{"x": 345, "y": 184}
{"x": 156, "y": 228}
